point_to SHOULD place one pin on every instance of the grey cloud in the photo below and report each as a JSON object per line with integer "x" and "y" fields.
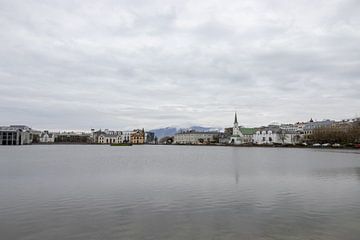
{"x": 126, "y": 64}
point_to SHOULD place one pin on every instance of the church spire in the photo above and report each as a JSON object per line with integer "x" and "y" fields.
{"x": 235, "y": 121}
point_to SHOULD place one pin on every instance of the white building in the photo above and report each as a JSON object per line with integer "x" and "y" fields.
{"x": 192, "y": 137}
{"x": 107, "y": 137}
{"x": 15, "y": 135}
{"x": 276, "y": 135}
{"x": 241, "y": 135}
{"x": 47, "y": 137}
{"x": 126, "y": 136}
{"x": 265, "y": 136}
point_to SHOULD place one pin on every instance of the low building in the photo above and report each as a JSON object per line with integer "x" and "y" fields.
{"x": 15, "y": 135}
{"x": 47, "y": 137}
{"x": 126, "y": 136}
{"x": 107, "y": 137}
{"x": 266, "y": 135}
{"x": 192, "y": 137}
{"x": 276, "y": 135}
{"x": 73, "y": 137}
{"x": 138, "y": 136}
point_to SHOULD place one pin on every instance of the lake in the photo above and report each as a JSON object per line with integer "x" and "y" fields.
{"x": 178, "y": 192}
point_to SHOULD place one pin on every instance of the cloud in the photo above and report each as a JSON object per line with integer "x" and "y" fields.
{"x": 128, "y": 64}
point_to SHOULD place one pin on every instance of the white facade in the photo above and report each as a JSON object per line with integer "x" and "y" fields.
{"x": 264, "y": 137}
{"x": 195, "y": 137}
{"x": 241, "y": 135}
{"x": 126, "y": 136}
{"x": 267, "y": 136}
{"x": 109, "y": 139}
{"x": 15, "y": 135}
{"x": 47, "y": 137}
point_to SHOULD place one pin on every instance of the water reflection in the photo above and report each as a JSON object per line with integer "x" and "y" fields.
{"x": 169, "y": 192}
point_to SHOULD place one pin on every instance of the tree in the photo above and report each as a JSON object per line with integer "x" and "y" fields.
{"x": 282, "y": 135}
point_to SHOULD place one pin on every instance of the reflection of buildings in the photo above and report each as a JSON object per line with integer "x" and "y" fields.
{"x": 15, "y": 135}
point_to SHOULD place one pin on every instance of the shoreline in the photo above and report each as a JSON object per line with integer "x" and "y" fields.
{"x": 202, "y": 145}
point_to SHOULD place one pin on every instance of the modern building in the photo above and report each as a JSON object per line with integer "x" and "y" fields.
{"x": 15, "y": 135}
{"x": 193, "y": 137}
{"x": 149, "y": 138}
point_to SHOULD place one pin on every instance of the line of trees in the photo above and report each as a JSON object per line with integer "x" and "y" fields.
{"x": 343, "y": 134}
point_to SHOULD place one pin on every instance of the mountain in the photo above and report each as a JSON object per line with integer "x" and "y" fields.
{"x": 171, "y": 131}
{"x": 163, "y": 132}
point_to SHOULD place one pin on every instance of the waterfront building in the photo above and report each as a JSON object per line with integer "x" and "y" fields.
{"x": 241, "y": 135}
{"x": 312, "y": 125}
{"x": 15, "y": 135}
{"x": 149, "y": 137}
{"x": 47, "y": 137}
{"x": 266, "y": 135}
{"x": 224, "y": 138}
{"x": 73, "y": 137}
{"x": 138, "y": 136}
{"x": 126, "y": 136}
{"x": 193, "y": 137}
{"x": 107, "y": 137}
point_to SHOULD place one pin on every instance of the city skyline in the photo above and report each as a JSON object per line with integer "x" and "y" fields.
{"x": 128, "y": 64}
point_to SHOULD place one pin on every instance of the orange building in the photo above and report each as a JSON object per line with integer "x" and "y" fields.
{"x": 138, "y": 136}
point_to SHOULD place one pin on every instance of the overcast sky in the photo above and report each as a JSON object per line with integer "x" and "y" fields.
{"x": 127, "y": 64}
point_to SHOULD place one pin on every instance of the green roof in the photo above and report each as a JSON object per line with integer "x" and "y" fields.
{"x": 248, "y": 131}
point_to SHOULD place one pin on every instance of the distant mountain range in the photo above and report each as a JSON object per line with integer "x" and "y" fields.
{"x": 171, "y": 131}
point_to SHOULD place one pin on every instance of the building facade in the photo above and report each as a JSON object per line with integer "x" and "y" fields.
{"x": 192, "y": 137}
{"x": 73, "y": 137}
{"x": 138, "y": 136}
{"x": 107, "y": 137}
{"x": 15, "y": 135}
{"x": 150, "y": 138}
{"x": 47, "y": 137}
{"x": 241, "y": 135}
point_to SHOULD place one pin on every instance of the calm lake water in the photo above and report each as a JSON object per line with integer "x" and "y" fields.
{"x": 178, "y": 192}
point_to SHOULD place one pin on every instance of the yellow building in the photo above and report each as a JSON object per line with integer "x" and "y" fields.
{"x": 138, "y": 136}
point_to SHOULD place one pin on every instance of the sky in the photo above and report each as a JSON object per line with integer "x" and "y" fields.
{"x": 127, "y": 64}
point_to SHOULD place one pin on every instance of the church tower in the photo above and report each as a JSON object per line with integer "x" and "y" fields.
{"x": 236, "y": 130}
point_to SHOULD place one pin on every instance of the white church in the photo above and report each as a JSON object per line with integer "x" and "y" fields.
{"x": 241, "y": 135}
{"x": 272, "y": 134}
